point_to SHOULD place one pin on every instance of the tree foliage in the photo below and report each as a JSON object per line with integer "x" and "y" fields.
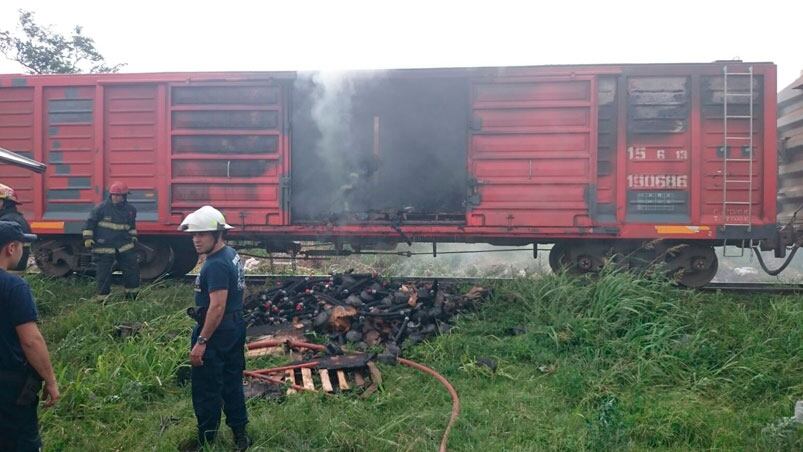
{"x": 44, "y": 51}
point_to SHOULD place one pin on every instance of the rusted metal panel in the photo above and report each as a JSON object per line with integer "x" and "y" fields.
{"x": 531, "y": 152}
{"x": 69, "y": 111}
{"x": 16, "y": 135}
{"x": 607, "y": 146}
{"x": 226, "y": 148}
{"x": 658, "y": 105}
{"x": 658, "y": 149}
{"x": 790, "y": 152}
{"x": 231, "y": 119}
{"x": 70, "y": 140}
{"x": 225, "y": 168}
{"x": 131, "y": 144}
{"x": 221, "y": 94}
{"x": 225, "y": 144}
{"x": 738, "y": 151}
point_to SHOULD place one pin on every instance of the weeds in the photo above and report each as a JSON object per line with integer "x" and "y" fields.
{"x": 617, "y": 362}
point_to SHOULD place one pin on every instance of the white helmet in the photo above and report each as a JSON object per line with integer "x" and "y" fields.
{"x": 205, "y": 219}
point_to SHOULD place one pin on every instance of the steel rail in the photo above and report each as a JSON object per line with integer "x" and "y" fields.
{"x": 747, "y": 287}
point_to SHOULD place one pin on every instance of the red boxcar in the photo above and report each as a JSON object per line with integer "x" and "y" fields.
{"x": 592, "y": 158}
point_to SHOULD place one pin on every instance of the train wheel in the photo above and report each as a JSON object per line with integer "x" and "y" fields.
{"x": 55, "y": 258}
{"x": 587, "y": 258}
{"x": 23, "y": 264}
{"x": 578, "y": 259}
{"x": 557, "y": 257}
{"x": 693, "y": 265}
{"x": 184, "y": 257}
{"x": 155, "y": 259}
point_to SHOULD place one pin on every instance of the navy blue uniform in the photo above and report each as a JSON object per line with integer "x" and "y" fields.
{"x": 114, "y": 230}
{"x": 19, "y": 429}
{"x": 218, "y": 383}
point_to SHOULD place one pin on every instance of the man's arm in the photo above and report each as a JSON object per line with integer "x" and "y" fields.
{"x": 132, "y": 224}
{"x": 214, "y": 315}
{"x": 35, "y": 350}
{"x": 89, "y": 228}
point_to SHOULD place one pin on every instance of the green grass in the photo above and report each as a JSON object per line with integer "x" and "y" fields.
{"x": 615, "y": 363}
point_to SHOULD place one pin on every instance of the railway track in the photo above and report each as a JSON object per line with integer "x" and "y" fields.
{"x": 753, "y": 287}
{"x": 742, "y": 287}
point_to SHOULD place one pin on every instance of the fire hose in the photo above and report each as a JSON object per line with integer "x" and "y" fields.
{"x": 405, "y": 362}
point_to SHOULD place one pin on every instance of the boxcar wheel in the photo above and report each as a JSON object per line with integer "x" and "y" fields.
{"x": 694, "y": 266}
{"x": 577, "y": 259}
{"x": 155, "y": 258}
{"x": 55, "y": 258}
{"x": 184, "y": 257}
{"x": 557, "y": 257}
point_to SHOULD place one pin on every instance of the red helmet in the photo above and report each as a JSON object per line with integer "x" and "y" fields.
{"x": 118, "y": 188}
{"x": 8, "y": 193}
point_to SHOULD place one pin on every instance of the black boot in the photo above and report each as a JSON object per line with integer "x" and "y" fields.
{"x": 241, "y": 440}
{"x": 192, "y": 445}
{"x": 203, "y": 440}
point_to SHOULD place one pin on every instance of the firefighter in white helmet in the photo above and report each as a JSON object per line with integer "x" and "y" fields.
{"x": 217, "y": 354}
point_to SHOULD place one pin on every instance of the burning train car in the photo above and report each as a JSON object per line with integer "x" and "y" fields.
{"x": 654, "y": 162}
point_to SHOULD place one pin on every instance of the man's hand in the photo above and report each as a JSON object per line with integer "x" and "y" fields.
{"x": 197, "y": 355}
{"x": 51, "y": 394}
{"x": 89, "y": 243}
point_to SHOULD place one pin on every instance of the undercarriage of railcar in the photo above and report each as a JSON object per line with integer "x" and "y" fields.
{"x": 692, "y": 263}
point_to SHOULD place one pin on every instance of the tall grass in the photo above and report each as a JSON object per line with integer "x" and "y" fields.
{"x": 617, "y": 362}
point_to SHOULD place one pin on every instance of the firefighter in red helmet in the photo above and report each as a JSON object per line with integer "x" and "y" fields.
{"x": 111, "y": 234}
{"x": 9, "y": 212}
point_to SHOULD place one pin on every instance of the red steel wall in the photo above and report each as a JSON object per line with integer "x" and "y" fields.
{"x": 629, "y": 151}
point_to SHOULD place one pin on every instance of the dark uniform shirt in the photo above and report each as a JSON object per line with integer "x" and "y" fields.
{"x": 17, "y": 307}
{"x": 112, "y": 226}
{"x": 222, "y": 270}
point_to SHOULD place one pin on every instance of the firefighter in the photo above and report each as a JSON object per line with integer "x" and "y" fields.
{"x": 111, "y": 233}
{"x": 217, "y": 342}
{"x": 9, "y": 212}
{"x": 24, "y": 359}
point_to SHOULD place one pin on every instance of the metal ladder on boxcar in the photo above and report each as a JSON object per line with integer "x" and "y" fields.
{"x": 743, "y": 142}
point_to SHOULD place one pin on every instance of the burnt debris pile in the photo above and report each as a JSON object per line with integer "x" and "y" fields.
{"x": 361, "y": 309}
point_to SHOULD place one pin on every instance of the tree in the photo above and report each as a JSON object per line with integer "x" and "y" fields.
{"x": 44, "y": 51}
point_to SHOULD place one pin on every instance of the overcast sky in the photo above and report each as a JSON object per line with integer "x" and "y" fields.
{"x": 199, "y": 35}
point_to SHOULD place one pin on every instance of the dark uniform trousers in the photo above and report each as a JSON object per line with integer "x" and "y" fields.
{"x": 19, "y": 427}
{"x": 128, "y": 263}
{"x": 219, "y": 382}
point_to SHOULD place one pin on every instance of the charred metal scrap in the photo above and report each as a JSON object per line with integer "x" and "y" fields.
{"x": 361, "y": 309}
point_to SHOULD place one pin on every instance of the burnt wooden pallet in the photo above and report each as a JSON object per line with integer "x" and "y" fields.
{"x": 331, "y": 380}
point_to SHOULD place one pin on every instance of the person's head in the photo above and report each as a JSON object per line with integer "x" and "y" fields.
{"x": 207, "y": 226}
{"x": 11, "y": 241}
{"x": 8, "y": 196}
{"x": 118, "y": 192}
{"x": 206, "y": 242}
